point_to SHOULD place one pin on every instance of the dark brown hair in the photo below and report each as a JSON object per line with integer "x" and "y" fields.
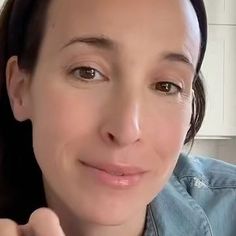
{"x": 22, "y": 25}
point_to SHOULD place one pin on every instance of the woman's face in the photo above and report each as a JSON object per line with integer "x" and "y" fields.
{"x": 110, "y": 102}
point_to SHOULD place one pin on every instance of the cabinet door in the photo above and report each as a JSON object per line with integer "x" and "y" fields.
{"x": 219, "y": 70}
{"x": 230, "y": 79}
{"x": 221, "y": 11}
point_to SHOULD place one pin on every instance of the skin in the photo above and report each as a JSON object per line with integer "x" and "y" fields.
{"x": 123, "y": 115}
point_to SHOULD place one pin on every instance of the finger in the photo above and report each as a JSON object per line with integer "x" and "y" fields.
{"x": 9, "y": 228}
{"x": 26, "y": 230}
{"x": 44, "y": 222}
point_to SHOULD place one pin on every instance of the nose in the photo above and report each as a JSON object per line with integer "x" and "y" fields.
{"x": 121, "y": 126}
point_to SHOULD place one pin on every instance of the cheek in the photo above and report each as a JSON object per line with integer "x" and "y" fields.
{"x": 175, "y": 126}
{"x": 61, "y": 118}
{"x": 168, "y": 124}
{"x": 167, "y": 129}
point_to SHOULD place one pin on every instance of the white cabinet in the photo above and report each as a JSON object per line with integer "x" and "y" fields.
{"x": 219, "y": 70}
{"x": 221, "y": 11}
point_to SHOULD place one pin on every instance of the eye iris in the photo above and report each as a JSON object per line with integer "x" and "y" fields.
{"x": 165, "y": 87}
{"x": 87, "y": 73}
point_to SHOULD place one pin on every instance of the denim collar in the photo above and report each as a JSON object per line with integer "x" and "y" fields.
{"x": 174, "y": 212}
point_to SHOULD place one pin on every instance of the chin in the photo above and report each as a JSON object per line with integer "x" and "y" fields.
{"x": 104, "y": 215}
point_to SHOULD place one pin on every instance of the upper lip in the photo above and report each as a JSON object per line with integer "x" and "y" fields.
{"x": 116, "y": 169}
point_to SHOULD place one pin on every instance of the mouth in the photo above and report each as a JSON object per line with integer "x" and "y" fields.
{"x": 113, "y": 175}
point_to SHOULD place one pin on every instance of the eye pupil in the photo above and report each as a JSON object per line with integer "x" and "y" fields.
{"x": 87, "y": 73}
{"x": 165, "y": 87}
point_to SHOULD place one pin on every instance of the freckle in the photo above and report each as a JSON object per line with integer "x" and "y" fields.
{"x": 52, "y": 26}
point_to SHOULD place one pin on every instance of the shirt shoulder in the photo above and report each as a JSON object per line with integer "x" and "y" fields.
{"x": 206, "y": 171}
{"x": 200, "y": 196}
{"x": 211, "y": 184}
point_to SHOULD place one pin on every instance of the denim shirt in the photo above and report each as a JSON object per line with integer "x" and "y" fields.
{"x": 198, "y": 200}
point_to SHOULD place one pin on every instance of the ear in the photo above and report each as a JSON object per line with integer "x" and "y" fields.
{"x": 18, "y": 88}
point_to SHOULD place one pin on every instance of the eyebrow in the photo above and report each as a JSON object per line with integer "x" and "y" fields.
{"x": 98, "y": 42}
{"x": 178, "y": 57}
{"x": 106, "y": 43}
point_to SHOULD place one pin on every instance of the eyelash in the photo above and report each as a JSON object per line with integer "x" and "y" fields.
{"x": 92, "y": 71}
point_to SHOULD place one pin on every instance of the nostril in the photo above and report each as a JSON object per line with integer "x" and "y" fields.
{"x": 111, "y": 137}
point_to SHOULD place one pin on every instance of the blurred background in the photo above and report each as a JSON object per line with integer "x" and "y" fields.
{"x": 217, "y": 138}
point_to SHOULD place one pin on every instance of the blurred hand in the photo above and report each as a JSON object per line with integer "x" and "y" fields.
{"x": 42, "y": 222}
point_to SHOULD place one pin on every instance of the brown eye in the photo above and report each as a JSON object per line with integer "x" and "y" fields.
{"x": 167, "y": 88}
{"x": 85, "y": 73}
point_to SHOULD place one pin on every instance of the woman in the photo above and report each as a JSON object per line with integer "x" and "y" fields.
{"x": 97, "y": 100}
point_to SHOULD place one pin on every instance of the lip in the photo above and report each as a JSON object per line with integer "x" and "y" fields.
{"x": 115, "y": 175}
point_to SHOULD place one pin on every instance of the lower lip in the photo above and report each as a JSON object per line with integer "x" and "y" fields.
{"x": 114, "y": 181}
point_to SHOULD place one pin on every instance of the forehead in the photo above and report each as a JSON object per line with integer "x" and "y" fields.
{"x": 172, "y": 22}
